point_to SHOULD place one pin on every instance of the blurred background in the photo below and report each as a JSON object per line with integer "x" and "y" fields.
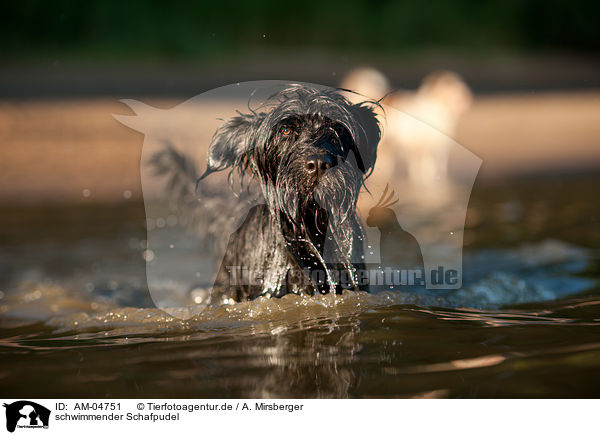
{"x": 521, "y": 91}
{"x": 529, "y": 87}
{"x": 533, "y": 67}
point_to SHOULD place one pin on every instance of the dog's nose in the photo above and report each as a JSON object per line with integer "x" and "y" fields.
{"x": 317, "y": 165}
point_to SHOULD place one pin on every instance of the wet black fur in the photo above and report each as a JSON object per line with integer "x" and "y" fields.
{"x": 306, "y": 230}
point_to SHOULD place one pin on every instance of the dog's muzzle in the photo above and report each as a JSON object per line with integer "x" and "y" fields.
{"x": 317, "y": 165}
{"x": 326, "y": 157}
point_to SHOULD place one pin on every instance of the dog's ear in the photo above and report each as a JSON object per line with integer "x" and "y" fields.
{"x": 367, "y": 136}
{"x": 232, "y": 143}
{"x": 346, "y": 138}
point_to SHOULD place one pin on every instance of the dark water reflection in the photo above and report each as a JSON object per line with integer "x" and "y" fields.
{"x": 76, "y": 320}
{"x": 398, "y": 351}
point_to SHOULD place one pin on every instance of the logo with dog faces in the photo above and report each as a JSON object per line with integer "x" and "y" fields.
{"x": 25, "y": 414}
{"x": 269, "y": 188}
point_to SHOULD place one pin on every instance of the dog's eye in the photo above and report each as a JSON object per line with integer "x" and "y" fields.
{"x": 286, "y": 130}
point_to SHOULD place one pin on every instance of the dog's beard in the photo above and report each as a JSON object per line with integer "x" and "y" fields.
{"x": 337, "y": 194}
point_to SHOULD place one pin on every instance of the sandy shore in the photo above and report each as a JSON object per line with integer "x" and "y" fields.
{"x": 74, "y": 150}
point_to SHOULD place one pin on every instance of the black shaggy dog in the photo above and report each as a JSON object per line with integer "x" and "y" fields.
{"x": 310, "y": 151}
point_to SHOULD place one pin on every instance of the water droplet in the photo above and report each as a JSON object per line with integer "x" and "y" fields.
{"x": 148, "y": 255}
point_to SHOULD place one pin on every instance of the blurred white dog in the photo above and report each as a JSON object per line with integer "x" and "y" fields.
{"x": 414, "y": 141}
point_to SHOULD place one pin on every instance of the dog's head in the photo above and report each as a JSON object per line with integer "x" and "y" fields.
{"x": 310, "y": 150}
{"x": 303, "y": 144}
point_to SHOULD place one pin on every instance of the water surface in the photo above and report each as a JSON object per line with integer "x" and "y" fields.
{"x": 76, "y": 319}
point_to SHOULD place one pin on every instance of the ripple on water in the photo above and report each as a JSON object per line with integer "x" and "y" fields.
{"x": 74, "y": 311}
